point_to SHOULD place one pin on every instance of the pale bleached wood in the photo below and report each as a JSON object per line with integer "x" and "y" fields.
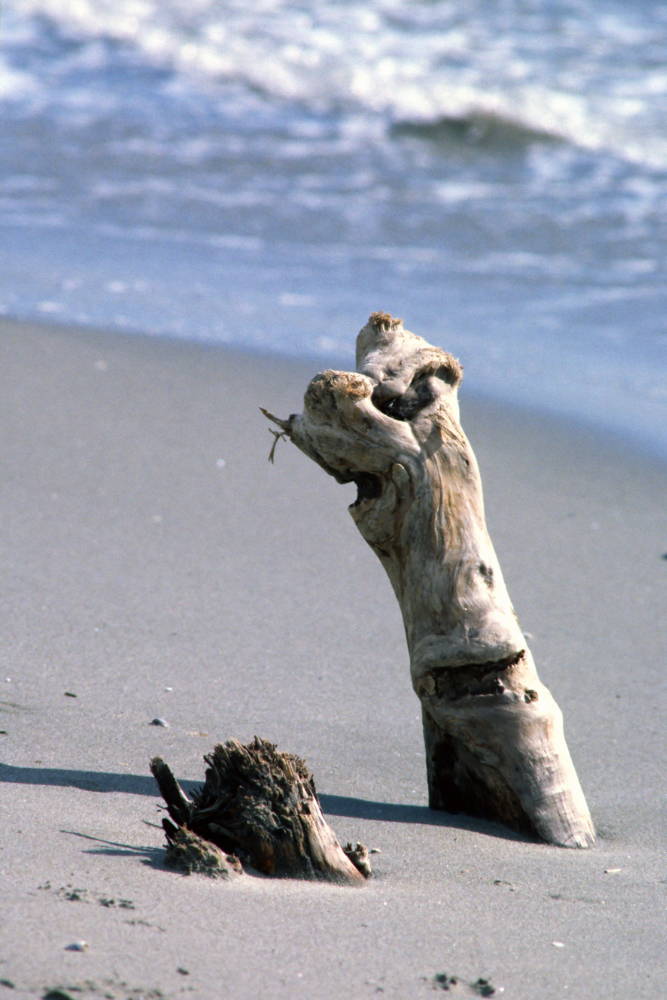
{"x": 493, "y": 733}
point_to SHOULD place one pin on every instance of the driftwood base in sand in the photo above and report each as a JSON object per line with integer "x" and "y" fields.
{"x": 258, "y": 807}
{"x": 493, "y": 733}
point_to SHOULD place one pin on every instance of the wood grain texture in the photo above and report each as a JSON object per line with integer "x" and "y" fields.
{"x": 493, "y": 733}
{"x": 259, "y": 805}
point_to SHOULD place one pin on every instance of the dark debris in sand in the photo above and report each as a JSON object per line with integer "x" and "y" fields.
{"x": 73, "y": 894}
{"x": 107, "y": 989}
{"x": 482, "y": 986}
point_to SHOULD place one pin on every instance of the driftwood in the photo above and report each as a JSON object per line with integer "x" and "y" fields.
{"x": 493, "y": 733}
{"x": 258, "y": 806}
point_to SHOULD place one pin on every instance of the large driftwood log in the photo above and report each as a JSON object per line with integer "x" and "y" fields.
{"x": 259, "y": 805}
{"x": 493, "y": 733}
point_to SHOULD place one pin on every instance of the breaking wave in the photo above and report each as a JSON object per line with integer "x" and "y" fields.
{"x": 592, "y": 75}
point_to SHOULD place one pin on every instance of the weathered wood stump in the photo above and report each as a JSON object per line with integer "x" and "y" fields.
{"x": 493, "y": 733}
{"x": 257, "y": 805}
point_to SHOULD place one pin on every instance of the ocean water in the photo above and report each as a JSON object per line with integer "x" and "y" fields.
{"x": 269, "y": 174}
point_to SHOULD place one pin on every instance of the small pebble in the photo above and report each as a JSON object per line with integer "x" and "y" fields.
{"x": 159, "y": 722}
{"x": 221, "y": 463}
{"x": 183, "y": 972}
{"x": 77, "y": 946}
{"x": 558, "y": 944}
{"x": 169, "y": 689}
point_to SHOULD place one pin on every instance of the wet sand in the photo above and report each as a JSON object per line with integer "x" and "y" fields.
{"x": 156, "y": 565}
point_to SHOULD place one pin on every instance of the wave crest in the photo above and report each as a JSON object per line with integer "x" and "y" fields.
{"x": 428, "y": 68}
{"x": 486, "y": 131}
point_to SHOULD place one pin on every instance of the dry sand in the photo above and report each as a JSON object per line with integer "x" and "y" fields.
{"x": 148, "y": 579}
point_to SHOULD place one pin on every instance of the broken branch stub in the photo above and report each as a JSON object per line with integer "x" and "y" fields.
{"x": 258, "y": 804}
{"x": 493, "y": 733}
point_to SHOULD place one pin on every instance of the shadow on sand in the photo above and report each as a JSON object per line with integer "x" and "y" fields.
{"x": 332, "y": 805}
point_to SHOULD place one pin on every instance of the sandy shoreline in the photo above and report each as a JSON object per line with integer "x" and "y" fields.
{"x": 157, "y": 565}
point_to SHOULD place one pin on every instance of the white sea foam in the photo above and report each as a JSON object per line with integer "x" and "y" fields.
{"x": 15, "y": 84}
{"x": 572, "y": 70}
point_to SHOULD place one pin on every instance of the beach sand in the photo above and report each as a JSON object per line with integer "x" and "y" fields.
{"x": 157, "y": 566}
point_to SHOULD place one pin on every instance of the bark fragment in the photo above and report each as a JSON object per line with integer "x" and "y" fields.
{"x": 258, "y": 805}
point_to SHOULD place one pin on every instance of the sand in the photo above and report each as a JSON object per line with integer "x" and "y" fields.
{"x": 156, "y": 565}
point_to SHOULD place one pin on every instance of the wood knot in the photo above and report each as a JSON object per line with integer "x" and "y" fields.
{"x": 400, "y": 475}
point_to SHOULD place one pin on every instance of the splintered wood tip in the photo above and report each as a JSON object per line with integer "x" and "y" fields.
{"x": 384, "y": 321}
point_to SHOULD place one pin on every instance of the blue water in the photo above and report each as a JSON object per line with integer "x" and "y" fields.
{"x": 269, "y": 174}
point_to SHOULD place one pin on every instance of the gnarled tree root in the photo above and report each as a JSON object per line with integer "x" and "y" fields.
{"x": 259, "y": 807}
{"x": 493, "y": 733}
